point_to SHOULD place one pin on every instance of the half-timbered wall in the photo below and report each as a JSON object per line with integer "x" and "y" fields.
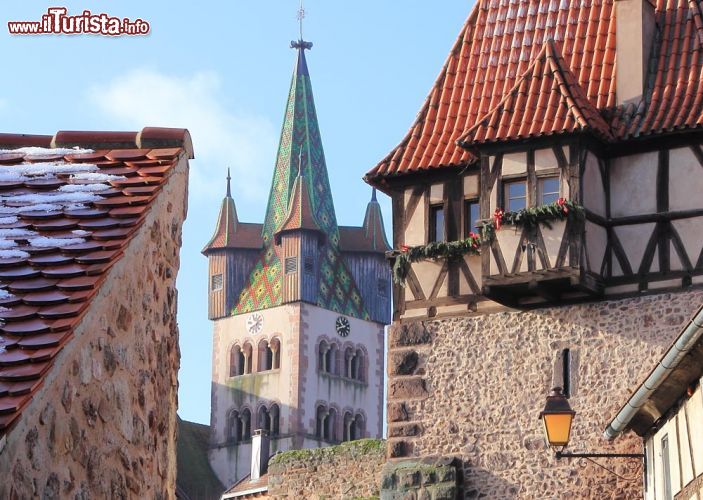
{"x": 437, "y": 288}
{"x": 675, "y": 454}
{"x": 642, "y": 230}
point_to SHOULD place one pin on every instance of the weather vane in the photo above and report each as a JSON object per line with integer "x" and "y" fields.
{"x": 301, "y": 16}
{"x": 300, "y": 43}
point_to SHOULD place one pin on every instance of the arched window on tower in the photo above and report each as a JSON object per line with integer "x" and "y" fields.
{"x": 263, "y": 419}
{"x": 358, "y": 428}
{"x": 245, "y": 424}
{"x": 348, "y": 359}
{"x": 322, "y": 356}
{"x": 233, "y": 427}
{"x": 246, "y": 358}
{"x": 275, "y": 347}
{"x": 332, "y": 359}
{"x": 265, "y": 356}
{"x": 330, "y": 430}
{"x": 358, "y": 366}
{"x": 354, "y": 364}
{"x": 320, "y": 421}
{"x": 237, "y": 361}
{"x": 347, "y": 423}
{"x": 275, "y": 415}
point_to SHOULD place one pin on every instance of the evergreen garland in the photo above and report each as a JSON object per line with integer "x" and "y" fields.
{"x": 435, "y": 250}
{"x": 527, "y": 217}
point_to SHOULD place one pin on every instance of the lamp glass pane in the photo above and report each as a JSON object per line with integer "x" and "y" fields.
{"x": 557, "y": 427}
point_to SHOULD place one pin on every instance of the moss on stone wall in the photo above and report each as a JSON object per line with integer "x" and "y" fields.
{"x": 351, "y": 448}
{"x": 350, "y": 470}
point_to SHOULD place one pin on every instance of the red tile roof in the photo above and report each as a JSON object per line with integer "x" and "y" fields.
{"x": 502, "y": 39}
{"x": 65, "y": 218}
{"x": 545, "y": 100}
{"x": 255, "y": 488}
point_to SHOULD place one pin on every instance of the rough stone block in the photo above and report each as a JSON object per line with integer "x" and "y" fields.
{"x": 407, "y": 388}
{"x": 409, "y": 334}
{"x": 398, "y": 449}
{"x": 397, "y": 412}
{"x": 403, "y": 430}
{"x": 409, "y": 479}
{"x": 403, "y": 363}
{"x": 443, "y": 492}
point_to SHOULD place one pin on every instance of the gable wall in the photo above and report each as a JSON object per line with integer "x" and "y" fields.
{"x": 104, "y": 423}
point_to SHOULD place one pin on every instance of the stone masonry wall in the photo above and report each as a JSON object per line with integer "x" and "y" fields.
{"x": 349, "y": 470}
{"x": 471, "y": 388}
{"x": 104, "y": 423}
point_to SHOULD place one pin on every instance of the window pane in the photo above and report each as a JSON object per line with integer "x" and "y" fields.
{"x": 471, "y": 217}
{"x": 515, "y": 196}
{"x": 516, "y": 190}
{"x": 549, "y": 190}
{"x": 437, "y": 223}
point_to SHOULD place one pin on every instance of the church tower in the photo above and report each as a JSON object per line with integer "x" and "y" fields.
{"x": 299, "y": 306}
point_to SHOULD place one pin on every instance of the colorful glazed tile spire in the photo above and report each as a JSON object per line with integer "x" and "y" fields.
{"x": 301, "y": 157}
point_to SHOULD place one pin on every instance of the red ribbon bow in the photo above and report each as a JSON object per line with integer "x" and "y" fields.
{"x": 498, "y": 217}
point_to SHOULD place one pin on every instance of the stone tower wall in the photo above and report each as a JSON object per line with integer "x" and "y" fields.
{"x": 472, "y": 387}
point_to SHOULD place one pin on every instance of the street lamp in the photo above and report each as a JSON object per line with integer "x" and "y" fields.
{"x": 557, "y": 417}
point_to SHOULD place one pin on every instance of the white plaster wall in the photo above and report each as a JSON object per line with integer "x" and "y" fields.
{"x": 552, "y": 241}
{"x": 415, "y": 233}
{"x": 545, "y": 159}
{"x": 596, "y": 241}
{"x": 593, "y": 190}
{"x": 685, "y": 180}
{"x": 427, "y": 272}
{"x": 471, "y": 186}
{"x": 633, "y": 184}
{"x": 690, "y": 231}
{"x": 634, "y": 240}
{"x": 514, "y": 163}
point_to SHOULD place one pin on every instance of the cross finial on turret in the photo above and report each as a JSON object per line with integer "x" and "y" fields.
{"x": 229, "y": 191}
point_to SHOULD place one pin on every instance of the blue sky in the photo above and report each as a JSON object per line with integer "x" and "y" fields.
{"x": 222, "y": 70}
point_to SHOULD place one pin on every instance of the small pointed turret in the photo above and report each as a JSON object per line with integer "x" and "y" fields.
{"x": 374, "y": 231}
{"x": 300, "y": 214}
{"x": 227, "y": 223}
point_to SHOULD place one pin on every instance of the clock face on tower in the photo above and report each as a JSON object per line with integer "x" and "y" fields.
{"x": 255, "y": 322}
{"x": 342, "y": 326}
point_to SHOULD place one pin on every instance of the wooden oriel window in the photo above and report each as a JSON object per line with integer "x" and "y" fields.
{"x": 436, "y": 223}
{"x": 515, "y": 195}
{"x": 472, "y": 214}
{"x": 548, "y": 189}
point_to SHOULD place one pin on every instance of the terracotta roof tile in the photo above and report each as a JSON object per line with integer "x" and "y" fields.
{"x": 499, "y": 43}
{"x": 545, "y": 100}
{"x": 53, "y": 258}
